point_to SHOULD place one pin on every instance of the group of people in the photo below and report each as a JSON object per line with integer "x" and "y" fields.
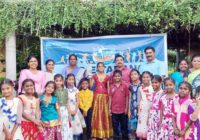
{"x": 127, "y": 104}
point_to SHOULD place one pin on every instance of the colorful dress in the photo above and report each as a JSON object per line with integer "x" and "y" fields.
{"x": 10, "y": 114}
{"x": 145, "y": 94}
{"x": 50, "y": 116}
{"x": 154, "y": 116}
{"x": 180, "y": 109}
{"x": 66, "y": 130}
{"x": 39, "y": 79}
{"x": 194, "y": 79}
{"x": 134, "y": 106}
{"x": 101, "y": 120}
{"x": 166, "y": 129}
{"x": 191, "y": 109}
{"x": 77, "y": 121}
{"x": 30, "y": 130}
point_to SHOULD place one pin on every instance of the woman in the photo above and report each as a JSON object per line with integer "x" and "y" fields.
{"x": 194, "y": 76}
{"x": 33, "y": 73}
{"x": 181, "y": 74}
{"x": 49, "y": 70}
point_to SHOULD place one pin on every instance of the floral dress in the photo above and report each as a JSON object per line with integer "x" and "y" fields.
{"x": 166, "y": 129}
{"x": 154, "y": 117}
{"x": 146, "y": 94}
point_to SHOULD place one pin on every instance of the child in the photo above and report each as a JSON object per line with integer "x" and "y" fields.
{"x": 165, "y": 105}
{"x": 118, "y": 104}
{"x": 31, "y": 124}
{"x": 154, "y": 113}
{"x": 10, "y": 113}
{"x": 86, "y": 98}
{"x": 195, "y": 114}
{"x": 145, "y": 94}
{"x": 133, "y": 104}
{"x": 50, "y": 115}
{"x": 180, "y": 109}
{"x": 62, "y": 96}
{"x": 77, "y": 120}
{"x": 101, "y": 120}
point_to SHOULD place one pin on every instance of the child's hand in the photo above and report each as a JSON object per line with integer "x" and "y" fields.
{"x": 85, "y": 114}
{"x": 177, "y": 132}
{"x": 8, "y": 136}
{"x": 129, "y": 114}
{"x": 37, "y": 122}
{"x": 182, "y": 133}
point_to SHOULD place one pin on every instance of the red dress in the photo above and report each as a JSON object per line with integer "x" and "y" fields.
{"x": 101, "y": 121}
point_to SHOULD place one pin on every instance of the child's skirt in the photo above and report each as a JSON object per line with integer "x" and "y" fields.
{"x": 66, "y": 129}
{"x": 30, "y": 131}
{"x": 101, "y": 120}
{"x": 52, "y": 133}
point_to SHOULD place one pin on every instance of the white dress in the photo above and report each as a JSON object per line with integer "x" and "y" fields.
{"x": 13, "y": 106}
{"x": 145, "y": 94}
{"x": 77, "y": 121}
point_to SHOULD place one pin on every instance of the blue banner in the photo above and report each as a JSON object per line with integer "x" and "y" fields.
{"x": 90, "y": 51}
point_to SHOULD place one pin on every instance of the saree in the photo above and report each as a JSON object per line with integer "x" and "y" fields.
{"x": 194, "y": 80}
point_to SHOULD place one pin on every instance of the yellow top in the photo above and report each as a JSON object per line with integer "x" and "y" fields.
{"x": 85, "y": 99}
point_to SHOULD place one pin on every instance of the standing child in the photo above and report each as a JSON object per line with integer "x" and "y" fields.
{"x": 62, "y": 96}
{"x": 154, "y": 113}
{"x": 50, "y": 115}
{"x": 183, "y": 127}
{"x": 133, "y": 101}
{"x": 31, "y": 124}
{"x": 118, "y": 103}
{"x": 77, "y": 120}
{"x": 195, "y": 114}
{"x": 101, "y": 120}
{"x": 86, "y": 98}
{"x": 10, "y": 113}
{"x": 144, "y": 103}
{"x": 165, "y": 106}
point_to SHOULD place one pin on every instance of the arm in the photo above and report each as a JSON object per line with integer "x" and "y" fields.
{"x": 127, "y": 100}
{"x": 129, "y": 103}
{"x": 91, "y": 82}
{"x": 58, "y": 110}
{"x": 110, "y": 102}
{"x": 108, "y": 86}
{"x": 8, "y": 135}
{"x": 77, "y": 104}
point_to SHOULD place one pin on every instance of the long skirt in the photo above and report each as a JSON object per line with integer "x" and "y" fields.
{"x": 30, "y": 131}
{"x": 52, "y": 133}
{"x": 101, "y": 120}
{"x": 66, "y": 129}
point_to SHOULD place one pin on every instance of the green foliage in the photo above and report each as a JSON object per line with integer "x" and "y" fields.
{"x": 37, "y": 17}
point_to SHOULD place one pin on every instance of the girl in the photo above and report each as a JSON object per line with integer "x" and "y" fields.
{"x": 165, "y": 106}
{"x": 86, "y": 98}
{"x": 144, "y": 102}
{"x": 50, "y": 114}
{"x": 195, "y": 114}
{"x": 62, "y": 96}
{"x": 77, "y": 120}
{"x": 154, "y": 113}
{"x": 101, "y": 121}
{"x": 10, "y": 113}
{"x": 181, "y": 120}
{"x": 31, "y": 120}
{"x": 133, "y": 104}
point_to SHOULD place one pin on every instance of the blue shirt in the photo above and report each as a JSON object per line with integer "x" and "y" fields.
{"x": 156, "y": 67}
{"x": 48, "y": 111}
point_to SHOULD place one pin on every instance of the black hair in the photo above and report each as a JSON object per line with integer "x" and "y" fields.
{"x": 149, "y": 48}
{"x": 157, "y": 78}
{"x": 99, "y": 63}
{"x": 58, "y": 76}
{"x": 194, "y": 56}
{"x": 81, "y": 81}
{"x": 168, "y": 79}
{"x": 146, "y": 72}
{"x": 117, "y": 56}
{"x": 8, "y": 82}
{"x": 188, "y": 85}
{"x": 54, "y": 85}
{"x": 197, "y": 91}
{"x": 180, "y": 63}
{"x": 49, "y": 60}
{"x": 30, "y": 57}
{"x": 72, "y": 55}
{"x": 134, "y": 70}
{"x": 23, "y": 84}
{"x": 117, "y": 72}
{"x": 70, "y": 75}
